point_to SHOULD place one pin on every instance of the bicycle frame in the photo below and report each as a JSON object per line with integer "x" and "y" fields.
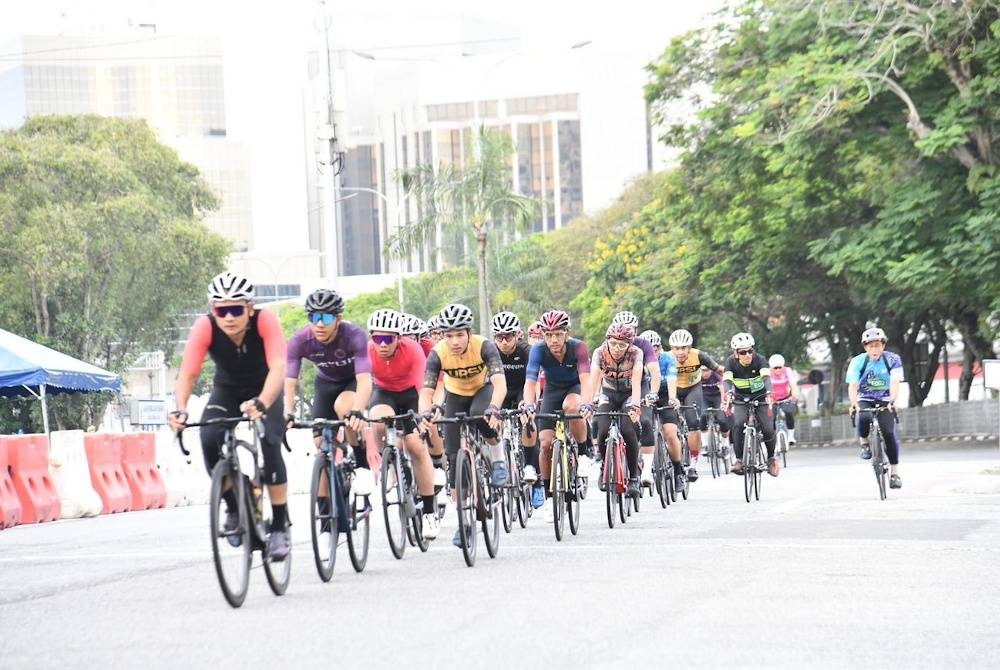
{"x": 880, "y": 460}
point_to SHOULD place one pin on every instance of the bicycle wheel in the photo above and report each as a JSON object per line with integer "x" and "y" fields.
{"x": 523, "y": 500}
{"x": 392, "y": 502}
{"x": 508, "y": 493}
{"x": 624, "y": 508}
{"x": 610, "y": 485}
{"x": 782, "y": 446}
{"x": 232, "y": 564}
{"x": 879, "y": 464}
{"x": 749, "y": 466}
{"x": 322, "y": 524}
{"x": 558, "y": 482}
{"x": 491, "y": 497}
{"x": 359, "y": 535}
{"x": 660, "y": 472}
{"x": 279, "y": 573}
{"x": 712, "y": 451}
{"x": 575, "y": 487}
{"x": 759, "y": 470}
{"x": 415, "y": 531}
{"x": 465, "y": 504}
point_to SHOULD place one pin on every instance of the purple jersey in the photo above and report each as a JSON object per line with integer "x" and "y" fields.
{"x": 648, "y": 355}
{"x": 341, "y": 360}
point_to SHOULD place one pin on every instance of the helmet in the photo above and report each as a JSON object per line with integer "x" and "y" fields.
{"x": 325, "y": 301}
{"x": 387, "y": 320}
{"x": 620, "y": 331}
{"x": 535, "y": 330}
{"x": 651, "y": 336}
{"x": 627, "y": 318}
{"x": 554, "y": 319}
{"x": 681, "y": 338}
{"x": 776, "y": 361}
{"x": 505, "y": 322}
{"x": 432, "y": 323}
{"x": 455, "y": 317}
{"x": 873, "y": 334}
{"x": 412, "y": 325}
{"x": 741, "y": 341}
{"x": 229, "y": 286}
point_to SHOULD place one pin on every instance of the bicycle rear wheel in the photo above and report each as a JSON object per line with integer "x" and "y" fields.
{"x": 323, "y": 523}
{"x": 465, "y": 505}
{"x": 879, "y": 464}
{"x": 557, "y": 482}
{"x": 660, "y": 471}
{"x": 392, "y": 502}
{"x": 490, "y": 497}
{"x": 782, "y": 446}
{"x": 712, "y": 451}
{"x": 232, "y": 564}
{"x": 360, "y": 534}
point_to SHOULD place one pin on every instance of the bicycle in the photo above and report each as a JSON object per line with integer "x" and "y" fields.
{"x": 663, "y": 468}
{"x": 682, "y": 434}
{"x": 613, "y": 477}
{"x": 401, "y": 500}
{"x": 880, "y": 460}
{"x": 338, "y": 511}
{"x": 717, "y": 449}
{"x": 517, "y": 493}
{"x": 239, "y": 469}
{"x": 781, "y": 433}
{"x": 476, "y": 498}
{"x": 754, "y": 456}
{"x": 565, "y": 484}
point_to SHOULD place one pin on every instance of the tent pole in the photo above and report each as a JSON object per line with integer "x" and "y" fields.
{"x": 45, "y": 410}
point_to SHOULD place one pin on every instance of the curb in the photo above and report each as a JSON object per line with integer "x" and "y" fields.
{"x": 904, "y": 441}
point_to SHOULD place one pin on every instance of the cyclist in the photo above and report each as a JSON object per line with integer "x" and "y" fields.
{"x": 747, "y": 378}
{"x": 398, "y": 364}
{"x": 712, "y": 394}
{"x": 535, "y": 334}
{"x": 249, "y": 352}
{"x": 474, "y": 383}
{"x": 514, "y": 352}
{"x": 667, "y": 400}
{"x": 343, "y": 385}
{"x": 433, "y": 330}
{"x": 785, "y": 384}
{"x": 873, "y": 380}
{"x": 416, "y": 329}
{"x": 650, "y": 383}
{"x": 689, "y": 362}
{"x": 565, "y": 362}
{"x": 616, "y": 371}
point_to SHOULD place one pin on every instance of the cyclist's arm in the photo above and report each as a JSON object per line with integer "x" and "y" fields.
{"x": 494, "y": 366}
{"x": 362, "y": 371}
{"x": 431, "y": 371}
{"x": 672, "y": 389}
{"x": 585, "y": 368}
{"x": 530, "y": 394}
{"x": 637, "y": 370}
{"x": 728, "y": 387}
{"x": 594, "y": 378}
{"x": 276, "y": 355}
{"x": 290, "y": 385}
{"x": 293, "y": 366}
{"x": 194, "y": 355}
{"x": 709, "y": 362}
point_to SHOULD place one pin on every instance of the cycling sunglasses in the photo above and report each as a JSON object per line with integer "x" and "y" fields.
{"x": 383, "y": 339}
{"x": 317, "y": 318}
{"x": 744, "y": 352}
{"x": 222, "y": 311}
{"x": 505, "y": 337}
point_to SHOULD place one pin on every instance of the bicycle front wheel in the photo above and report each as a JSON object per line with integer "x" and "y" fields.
{"x": 323, "y": 521}
{"x": 358, "y": 536}
{"x": 491, "y": 498}
{"x": 879, "y": 464}
{"x": 557, "y": 482}
{"x": 575, "y": 489}
{"x": 660, "y": 472}
{"x": 393, "y": 510}
{"x": 465, "y": 504}
{"x": 279, "y": 573}
{"x": 610, "y": 484}
{"x": 749, "y": 464}
{"x": 510, "y": 492}
{"x": 231, "y": 550}
{"x": 782, "y": 446}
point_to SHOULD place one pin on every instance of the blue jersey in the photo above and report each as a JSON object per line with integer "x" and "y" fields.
{"x": 874, "y": 378}
{"x": 668, "y": 369}
{"x": 562, "y": 374}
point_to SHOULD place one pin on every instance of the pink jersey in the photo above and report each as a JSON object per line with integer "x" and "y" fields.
{"x": 405, "y": 370}
{"x": 781, "y": 382}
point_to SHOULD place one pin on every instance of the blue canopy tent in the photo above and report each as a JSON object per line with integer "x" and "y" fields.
{"x": 30, "y": 369}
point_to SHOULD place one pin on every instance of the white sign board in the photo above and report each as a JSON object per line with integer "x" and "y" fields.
{"x": 991, "y": 373}
{"x": 149, "y": 412}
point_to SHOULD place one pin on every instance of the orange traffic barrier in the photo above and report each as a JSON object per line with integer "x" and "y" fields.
{"x": 104, "y": 458}
{"x": 139, "y": 462}
{"x": 29, "y": 468}
{"x": 10, "y": 505}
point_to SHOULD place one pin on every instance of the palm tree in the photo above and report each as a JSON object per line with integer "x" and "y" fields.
{"x": 477, "y": 199}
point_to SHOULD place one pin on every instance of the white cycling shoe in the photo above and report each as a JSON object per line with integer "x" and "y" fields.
{"x": 530, "y": 476}
{"x": 364, "y": 482}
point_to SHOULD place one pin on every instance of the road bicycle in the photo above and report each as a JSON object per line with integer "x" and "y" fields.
{"x": 476, "y": 498}
{"x": 663, "y": 468}
{"x": 565, "y": 483}
{"x": 754, "y": 455}
{"x": 334, "y": 509}
{"x": 613, "y": 478}
{"x": 517, "y": 492}
{"x": 880, "y": 460}
{"x": 781, "y": 433}
{"x": 717, "y": 450}
{"x": 683, "y": 430}
{"x": 239, "y": 469}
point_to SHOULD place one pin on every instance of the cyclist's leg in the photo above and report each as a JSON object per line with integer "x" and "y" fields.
{"x": 790, "y": 409}
{"x": 571, "y": 405}
{"x": 864, "y": 427}
{"x": 888, "y": 425}
{"x": 694, "y": 396}
{"x": 668, "y": 421}
{"x": 629, "y": 433}
{"x": 275, "y": 474}
{"x": 453, "y": 404}
{"x": 552, "y": 401}
{"x": 766, "y": 430}
{"x": 739, "y": 419}
{"x": 219, "y": 404}
{"x": 423, "y": 466}
{"x": 325, "y": 396}
{"x": 480, "y": 403}
{"x": 341, "y": 406}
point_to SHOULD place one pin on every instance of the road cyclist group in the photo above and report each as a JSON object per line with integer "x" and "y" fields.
{"x": 497, "y": 428}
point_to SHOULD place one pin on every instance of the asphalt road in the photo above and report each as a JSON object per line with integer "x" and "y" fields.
{"x": 818, "y": 573}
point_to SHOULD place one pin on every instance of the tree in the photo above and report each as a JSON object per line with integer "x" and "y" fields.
{"x": 475, "y": 200}
{"x": 101, "y": 236}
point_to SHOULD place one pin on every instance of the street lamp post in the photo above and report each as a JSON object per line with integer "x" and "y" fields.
{"x": 394, "y": 207}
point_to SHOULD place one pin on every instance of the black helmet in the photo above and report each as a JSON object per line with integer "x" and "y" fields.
{"x": 324, "y": 301}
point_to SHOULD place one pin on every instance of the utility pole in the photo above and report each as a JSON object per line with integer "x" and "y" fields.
{"x": 332, "y": 167}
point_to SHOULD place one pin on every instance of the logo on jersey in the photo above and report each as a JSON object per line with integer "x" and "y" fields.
{"x": 465, "y": 373}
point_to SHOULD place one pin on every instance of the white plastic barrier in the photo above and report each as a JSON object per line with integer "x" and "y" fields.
{"x": 71, "y": 472}
{"x": 185, "y": 476}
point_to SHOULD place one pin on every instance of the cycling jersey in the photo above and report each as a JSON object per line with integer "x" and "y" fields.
{"x": 668, "y": 370}
{"x": 710, "y": 388}
{"x": 689, "y": 370}
{"x": 616, "y": 374}
{"x": 781, "y": 382}
{"x": 243, "y": 366}
{"x": 467, "y": 372}
{"x": 648, "y": 353}
{"x": 874, "y": 378}
{"x": 559, "y": 374}
{"x": 514, "y": 367}
{"x": 750, "y": 382}
{"x": 341, "y": 359}
{"x": 404, "y": 370}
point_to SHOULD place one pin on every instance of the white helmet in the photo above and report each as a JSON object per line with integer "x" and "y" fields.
{"x": 776, "y": 361}
{"x": 741, "y": 341}
{"x": 873, "y": 334}
{"x": 505, "y": 322}
{"x": 229, "y": 286}
{"x": 455, "y": 317}
{"x": 651, "y": 336}
{"x": 681, "y": 338}
{"x": 386, "y": 320}
{"x": 412, "y": 324}
{"x": 626, "y": 319}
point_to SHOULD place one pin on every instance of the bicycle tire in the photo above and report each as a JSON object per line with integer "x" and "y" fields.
{"x": 624, "y": 511}
{"x": 523, "y": 503}
{"x": 659, "y": 467}
{"x": 749, "y": 466}
{"x": 575, "y": 487}
{"x": 507, "y": 501}
{"x": 324, "y": 549}
{"x": 416, "y": 532}
{"x": 609, "y": 483}
{"x": 557, "y": 482}
{"x": 782, "y": 446}
{"x": 465, "y": 505}
{"x": 879, "y": 464}
{"x": 491, "y": 497}
{"x": 239, "y": 560}
{"x": 713, "y": 449}
{"x": 279, "y": 573}
{"x": 392, "y": 503}
{"x": 361, "y": 526}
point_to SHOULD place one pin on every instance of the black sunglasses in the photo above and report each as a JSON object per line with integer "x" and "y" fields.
{"x": 744, "y": 352}
{"x": 222, "y": 311}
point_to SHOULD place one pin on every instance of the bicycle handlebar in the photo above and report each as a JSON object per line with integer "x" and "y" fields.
{"x": 231, "y": 421}
{"x": 874, "y": 410}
